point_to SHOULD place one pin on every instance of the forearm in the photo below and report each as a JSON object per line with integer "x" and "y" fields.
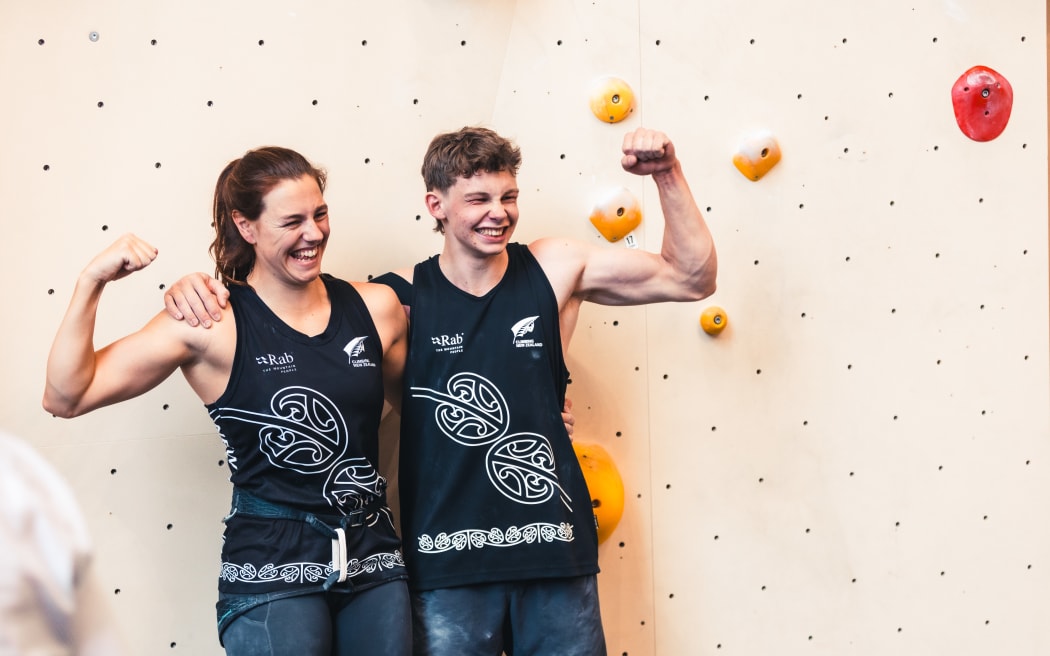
{"x": 71, "y": 362}
{"x": 687, "y": 245}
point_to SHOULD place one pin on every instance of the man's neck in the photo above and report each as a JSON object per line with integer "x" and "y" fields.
{"x": 474, "y": 275}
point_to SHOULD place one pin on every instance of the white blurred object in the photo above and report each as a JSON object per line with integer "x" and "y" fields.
{"x": 50, "y": 600}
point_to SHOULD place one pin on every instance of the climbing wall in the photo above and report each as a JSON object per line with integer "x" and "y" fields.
{"x": 857, "y": 464}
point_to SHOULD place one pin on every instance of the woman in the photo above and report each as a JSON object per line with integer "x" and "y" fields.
{"x": 294, "y": 381}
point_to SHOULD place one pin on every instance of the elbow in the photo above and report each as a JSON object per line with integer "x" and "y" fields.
{"x": 59, "y": 411}
{"x": 58, "y": 406}
{"x": 707, "y": 289}
{"x": 701, "y": 288}
{"x": 702, "y": 281}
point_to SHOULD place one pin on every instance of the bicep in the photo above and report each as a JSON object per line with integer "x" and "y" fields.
{"x": 609, "y": 275}
{"x": 392, "y": 326}
{"x": 136, "y": 363}
{"x": 393, "y": 370}
{"x": 622, "y": 276}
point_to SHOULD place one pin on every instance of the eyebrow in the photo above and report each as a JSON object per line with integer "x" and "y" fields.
{"x": 298, "y": 216}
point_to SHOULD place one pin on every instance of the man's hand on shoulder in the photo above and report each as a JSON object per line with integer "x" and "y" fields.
{"x": 197, "y": 298}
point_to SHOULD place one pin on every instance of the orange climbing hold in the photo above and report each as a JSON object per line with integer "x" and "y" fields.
{"x": 617, "y": 214}
{"x": 713, "y": 320}
{"x": 612, "y": 99}
{"x": 757, "y": 155}
{"x": 605, "y": 486}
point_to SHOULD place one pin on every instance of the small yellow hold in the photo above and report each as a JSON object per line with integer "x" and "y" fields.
{"x": 616, "y": 214}
{"x": 713, "y": 320}
{"x": 757, "y": 155}
{"x": 612, "y": 99}
{"x": 604, "y": 485}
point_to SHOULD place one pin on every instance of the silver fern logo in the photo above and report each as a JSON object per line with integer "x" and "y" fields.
{"x": 354, "y": 349}
{"x": 522, "y": 328}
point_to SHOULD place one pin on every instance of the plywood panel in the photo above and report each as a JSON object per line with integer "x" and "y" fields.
{"x": 856, "y": 465}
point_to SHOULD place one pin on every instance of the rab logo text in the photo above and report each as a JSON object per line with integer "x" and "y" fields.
{"x": 283, "y": 363}
{"x": 447, "y": 343}
{"x": 523, "y": 328}
{"x": 354, "y": 349}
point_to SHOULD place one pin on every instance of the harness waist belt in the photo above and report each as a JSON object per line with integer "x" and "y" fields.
{"x": 331, "y": 526}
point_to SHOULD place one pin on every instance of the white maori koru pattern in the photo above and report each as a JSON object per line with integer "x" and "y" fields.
{"x": 307, "y": 572}
{"x": 305, "y": 432}
{"x": 473, "y": 412}
{"x": 494, "y": 537}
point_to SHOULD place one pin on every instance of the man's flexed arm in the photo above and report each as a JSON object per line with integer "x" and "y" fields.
{"x": 684, "y": 270}
{"x": 688, "y": 247}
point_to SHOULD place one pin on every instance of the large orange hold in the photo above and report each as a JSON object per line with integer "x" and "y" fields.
{"x": 757, "y": 155}
{"x": 605, "y": 486}
{"x": 616, "y": 214}
{"x": 612, "y": 99}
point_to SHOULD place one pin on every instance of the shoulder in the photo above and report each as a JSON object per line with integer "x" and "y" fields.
{"x": 558, "y": 249}
{"x": 385, "y": 309}
{"x": 400, "y": 281}
{"x": 561, "y": 259}
{"x": 379, "y": 298}
{"x": 216, "y": 341}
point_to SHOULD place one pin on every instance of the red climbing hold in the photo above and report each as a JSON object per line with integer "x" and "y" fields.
{"x": 982, "y": 100}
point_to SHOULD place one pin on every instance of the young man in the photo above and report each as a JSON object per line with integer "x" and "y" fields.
{"x": 498, "y": 530}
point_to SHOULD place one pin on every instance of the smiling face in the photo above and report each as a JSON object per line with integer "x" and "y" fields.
{"x": 478, "y": 213}
{"x": 290, "y": 235}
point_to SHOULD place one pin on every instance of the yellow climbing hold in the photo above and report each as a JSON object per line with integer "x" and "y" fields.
{"x": 605, "y": 486}
{"x": 612, "y": 99}
{"x": 713, "y": 320}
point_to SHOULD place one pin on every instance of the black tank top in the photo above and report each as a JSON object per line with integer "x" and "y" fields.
{"x": 490, "y": 487}
{"x": 300, "y": 419}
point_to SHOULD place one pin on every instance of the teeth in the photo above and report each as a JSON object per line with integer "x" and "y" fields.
{"x": 306, "y": 254}
{"x": 491, "y": 232}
